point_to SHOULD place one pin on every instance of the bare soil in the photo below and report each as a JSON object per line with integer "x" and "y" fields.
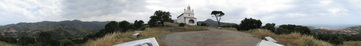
{"x": 211, "y": 37}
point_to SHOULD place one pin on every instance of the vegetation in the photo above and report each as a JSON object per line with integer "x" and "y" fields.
{"x": 210, "y": 22}
{"x": 114, "y": 26}
{"x": 7, "y": 44}
{"x": 247, "y": 24}
{"x": 203, "y": 24}
{"x": 351, "y": 43}
{"x": 293, "y": 39}
{"x": 182, "y": 24}
{"x": 159, "y": 17}
{"x": 270, "y": 26}
{"x": 288, "y": 29}
{"x": 58, "y": 30}
{"x": 336, "y": 39}
{"x": 124, "y": 26}
{"x": 26, "y": 40}
{"x": 8, "y": 39}
{"x": 139, "y": 25}
{"x": 218, "y": 15}
{"x": 66, "y": 42}
{"x": 45, "y": 39}
{"x": 119, "y": 37}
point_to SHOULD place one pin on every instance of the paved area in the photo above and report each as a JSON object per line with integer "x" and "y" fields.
{"x": 212, "y": 37}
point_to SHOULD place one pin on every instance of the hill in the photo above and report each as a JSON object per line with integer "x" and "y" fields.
{"x": 58, "y": 30}
{"x": 348, "y": 30}
{"x": 211, "y": 22}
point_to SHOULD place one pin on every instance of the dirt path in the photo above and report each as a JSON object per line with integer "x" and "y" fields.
{"x": 213, "y": 37}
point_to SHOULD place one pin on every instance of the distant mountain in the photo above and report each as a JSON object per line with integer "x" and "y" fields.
{"x": 211, "y": 22}
{"x": 335, "y": 26}
{"x": 58, "y": 30}
{"x": 348, "y": 30}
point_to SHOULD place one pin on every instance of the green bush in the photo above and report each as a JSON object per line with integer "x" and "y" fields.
{"x": 125, "y": 26}
{"x": 66, "y": 42}
{"x": 26, "y": 40}
{"x": 204, "y": 24}
{"x": 332, "y": 38}
{"x": 159, "y": 17}
{"x": 287, "y": 29}
{"x": 270, "y": 26}
{"x": 181, "y": 24}
{"x": 247, "y": 24}
{"x": 44, "y": 37}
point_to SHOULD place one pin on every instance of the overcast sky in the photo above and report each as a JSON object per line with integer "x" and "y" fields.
{"x": 268, "y": 11}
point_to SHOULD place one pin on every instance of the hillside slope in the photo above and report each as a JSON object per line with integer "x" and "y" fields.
{"x": 58, "y": 30}
{"x": 353, "y": 30}
{"x": 213, "y": 23}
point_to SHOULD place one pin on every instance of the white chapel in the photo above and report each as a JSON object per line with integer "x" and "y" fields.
{"x": 187, "y": 17}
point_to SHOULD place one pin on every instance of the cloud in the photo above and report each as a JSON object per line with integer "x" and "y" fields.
{"x": 13, "y": 11}
{"x": 268, "y": 11}
{"x": 105, "y": 10}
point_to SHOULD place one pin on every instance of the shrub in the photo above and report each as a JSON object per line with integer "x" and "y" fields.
{"x": 332, "y": 38}
{"x": 204, "y": 24}
{"x": 138, "y": 25}
{"x": 247, "y": 24}
{"x": 270, "y": 26}
{"x": 287, "y": 29}
{"x": 44, "y": 37}
{"x": 112, "y": 26}
{"x": 292, "y": 39}
{"x": 54, "y": 42}
{"x": 181, "y": 24}
{"x": 159, "y": 17}
{"x": 66, "y": 42}
{"x": 124, "y": 25}
{"x": 26, "y": 40}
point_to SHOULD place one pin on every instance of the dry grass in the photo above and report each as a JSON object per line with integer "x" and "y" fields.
{"x": 7, "y": 44}
{"x": 117, "y": 38}
{"x": 351, "y": 43}
{"x": 229, "y": 28}
{"x": 293, "y": 39}
{"x": 225, "y": 28}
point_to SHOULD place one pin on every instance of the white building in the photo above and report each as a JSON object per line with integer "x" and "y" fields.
{"x": 187, "y": 17}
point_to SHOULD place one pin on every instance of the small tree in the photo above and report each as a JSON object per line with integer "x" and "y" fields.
{"x": 181, "y": 25}
{"x": 153, "y": 22}
{"x": 218, "y": 15}
{"x": 44, "y": 38}
{"x": 124, "y": 25}
{"x": 112, "y": 26}
{"x": 287, "y": 29}
{"x": 66, "y": 42}
{"x": 204, "y": 24}
{"x": 26, "y": 40}
{"x": 247, "y": 24}
{"x": 270, "y": 26}
{"x": 138, "y": 24}
{"x": 159, "y": 17}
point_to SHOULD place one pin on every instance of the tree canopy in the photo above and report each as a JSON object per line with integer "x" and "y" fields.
{"x": 249, "y": 23}
{"x": 270, "y": 26}
{"x": 124, "y": 25}
{"x": 218, "y": 15}
{"x": 287, "y": 29}
{"x": 159, "y": 17}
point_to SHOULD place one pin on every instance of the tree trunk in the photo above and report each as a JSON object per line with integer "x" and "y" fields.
{"x": 219, "y": 25}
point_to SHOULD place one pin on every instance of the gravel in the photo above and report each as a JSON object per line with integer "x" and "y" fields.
{"x": 212, "y": 37}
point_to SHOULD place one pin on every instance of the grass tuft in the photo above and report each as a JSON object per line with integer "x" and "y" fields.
{"x": 293, "y": 39}
{"x": 351, "y": 43}
{"x": 7, "y": 44}
{"x": 117, "y": 38}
